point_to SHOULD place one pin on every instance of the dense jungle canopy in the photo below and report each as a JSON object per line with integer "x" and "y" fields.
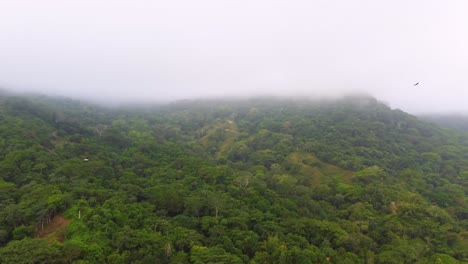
{"x": 265, "y": 180}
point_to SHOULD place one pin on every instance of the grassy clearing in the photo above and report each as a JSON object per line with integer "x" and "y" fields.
{"x": 312, "y": 166}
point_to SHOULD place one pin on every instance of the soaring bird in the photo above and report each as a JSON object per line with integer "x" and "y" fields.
{"x": 416, "y": 84}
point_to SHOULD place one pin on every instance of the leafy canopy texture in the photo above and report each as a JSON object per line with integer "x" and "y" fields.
{"x": 263, "y": 180}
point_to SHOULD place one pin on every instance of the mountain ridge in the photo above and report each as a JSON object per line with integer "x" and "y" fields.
{"x": 264, "y": 180}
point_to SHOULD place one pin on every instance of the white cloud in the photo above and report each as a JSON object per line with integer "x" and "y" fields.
{"x": 154, "y": 50}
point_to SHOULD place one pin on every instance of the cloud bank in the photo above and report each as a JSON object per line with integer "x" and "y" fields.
{"x": 120, "y": 51}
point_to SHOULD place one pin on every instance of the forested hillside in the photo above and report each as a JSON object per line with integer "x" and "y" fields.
{"x": 235, "y": 181}
{"x": 452, "y": 121}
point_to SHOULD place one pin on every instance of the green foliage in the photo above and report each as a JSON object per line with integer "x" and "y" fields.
{"x": 202, "y": 255}
{"x": 22, "y": 232}
{"x": 31, "y": 251}
{"x": 254, "y": 181}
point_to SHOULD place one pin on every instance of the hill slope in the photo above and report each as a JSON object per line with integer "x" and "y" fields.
{"x": 252, "y": 181}
{"x": 453, "y": 121}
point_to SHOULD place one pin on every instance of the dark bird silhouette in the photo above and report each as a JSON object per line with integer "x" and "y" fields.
{"x": 416, "y": 84}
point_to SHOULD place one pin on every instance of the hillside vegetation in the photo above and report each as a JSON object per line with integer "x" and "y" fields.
{"x": 241, "y": 181}
{"x": 453, "y": 121}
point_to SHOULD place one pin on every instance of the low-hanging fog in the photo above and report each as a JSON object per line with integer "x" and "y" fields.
{"x": 122, "y": 51}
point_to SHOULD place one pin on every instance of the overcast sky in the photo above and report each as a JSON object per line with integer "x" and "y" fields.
{"x": 171, "y": 49}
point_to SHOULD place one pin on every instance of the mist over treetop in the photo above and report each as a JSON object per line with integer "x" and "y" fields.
{"x": 259, "y": 180}
{"x": 165, "y": 51}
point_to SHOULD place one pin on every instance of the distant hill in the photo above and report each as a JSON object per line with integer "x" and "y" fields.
{"x": 263, "y": 180}
{"x": 452, "y": 121}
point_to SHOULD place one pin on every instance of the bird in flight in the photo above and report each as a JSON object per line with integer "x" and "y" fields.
{"x": 416, "y": 84}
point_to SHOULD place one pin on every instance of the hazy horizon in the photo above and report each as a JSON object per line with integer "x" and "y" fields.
{"x": 151, "y": 51}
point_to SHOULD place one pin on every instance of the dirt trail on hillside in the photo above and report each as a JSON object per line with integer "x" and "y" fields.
{"x": 57, "y": 225}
